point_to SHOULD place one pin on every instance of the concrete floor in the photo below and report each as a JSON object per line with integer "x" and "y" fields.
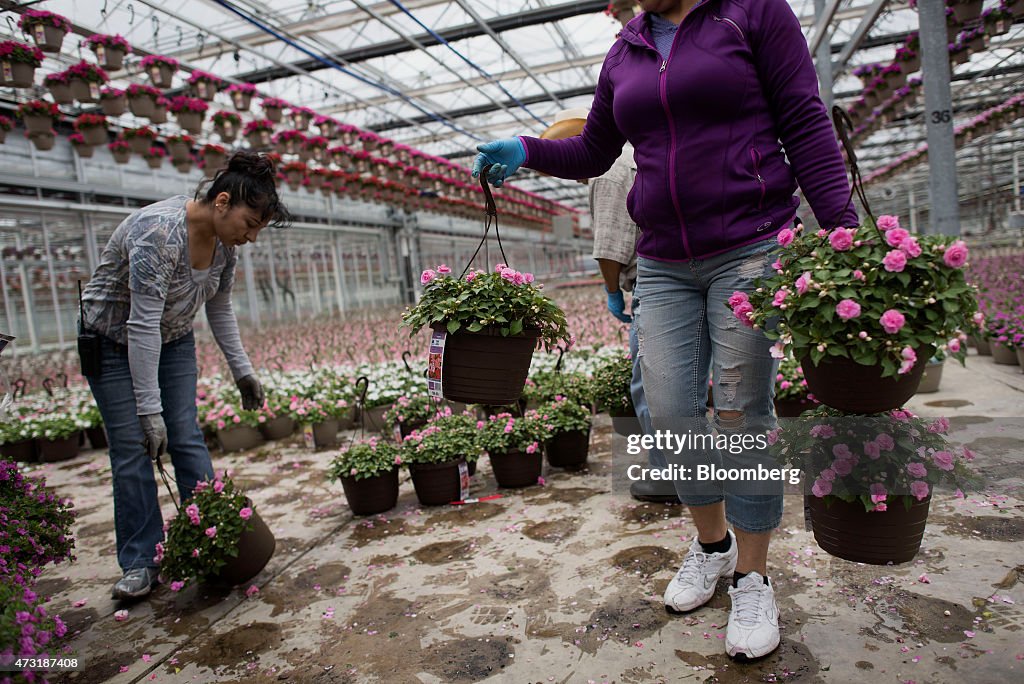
{"x": 558, "y": 583}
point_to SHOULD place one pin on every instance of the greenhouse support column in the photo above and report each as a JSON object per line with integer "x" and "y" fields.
{"x": 8, "y": 324}
{"x": 292, "y": 280}
{"x": 1016, "y": 181}
{"x": 371, "y": 294}
{"x": 913, "y": 210}
{"x": 250, "y": 286}
{"x": 26, "y": 298}
{"x": 91, "y": 251}
{"x": 823, "y": 61}
{"x": 272, "y": 270}
{"x": 315, "y": 275}
{"x": 942, "y": 186}
{"x": 339, "y": 282}
{"x": 53, "y": 283}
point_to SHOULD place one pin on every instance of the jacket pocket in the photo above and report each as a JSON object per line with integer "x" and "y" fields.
{"x": 726, "y": 21}
{"x": 755, "y": 158}
{"x": 635, "y": 201}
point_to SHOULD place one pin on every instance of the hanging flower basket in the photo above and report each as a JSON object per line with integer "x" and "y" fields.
{"x": 184, "y": 166}
{"x": 140, "y": 139}
{"x": 86, "y": 80}
{"x": 227, "y": 124}
{"x": 241, "y": 95}
{"x": 92, "y": 127}
{"x": 179, "y": 147}
{"x": 113, "y": 101}
{"x": 142, "y": 100}
{"x": 258, "y": 133}
{"x": 845, "y": 530}
{"x": 18, "y": 63}
{"x": 966, "y": 10}
{"x": 39, "y": 115}
{"x": 110, "y": 50}
{"x": 274, "y": 108}
{"x": 59, "y": 85}
{"x": 214, "y": 158}
{"x": 5, "y": 127}
{"x": 81, "y": 147}
{"x": 120, "y": 150}
{"x": 46, "y": 29}
{"x": 294, "y": 172}
{"x": 301, "y": 116}
{"x": 154, "y": 157}
{"x": 160, "y": 69}
{"x": 160, "y": 107}
{"x": 204, "y": 85}
{"x": 328, "y": 126}
{"x": 315, "y": 147}
{"x": 189, "y": 111}
{"x": 43, "y": 140}
{"x": 289, "y": 142}
{"x": 849, "y": 386}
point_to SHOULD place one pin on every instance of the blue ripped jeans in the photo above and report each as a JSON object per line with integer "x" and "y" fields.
{"x": 687, "y": 327}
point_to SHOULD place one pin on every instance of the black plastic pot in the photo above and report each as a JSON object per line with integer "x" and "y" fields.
{"x": 486, "y": 368}
{"x": 371, "y": 495}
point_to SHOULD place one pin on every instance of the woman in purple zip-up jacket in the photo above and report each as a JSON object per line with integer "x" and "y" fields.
{"x": 709, "y": 93}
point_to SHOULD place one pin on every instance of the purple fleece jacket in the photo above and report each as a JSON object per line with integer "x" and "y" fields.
{"x": 709, "y": 125}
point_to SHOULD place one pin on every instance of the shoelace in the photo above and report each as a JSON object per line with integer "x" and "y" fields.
{"x": 690, "y": 569}
{"x": 746, "y": 603}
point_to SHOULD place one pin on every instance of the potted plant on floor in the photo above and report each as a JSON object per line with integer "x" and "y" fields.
{"x": 1005, "y": 332}
{"x": 513, "y": 446}
{"x": 37, "y": 527}
{"x": 544, "y": 386}
{"x": 410, "y": 413}
{"x": 932, "y": 377}
{"x": 870, "y": 478}
{"x": 160, "y": 68}
{"x": 58, "y": 431}
{"x": 18, "y": 63}
{"x": 437, "y": 458}
{"x": 569, "y": 423}
{"x": 487, "y": 325}
{"x": 110, "y": 50}
{"x": 791, "y": 395}
{"x": 47, "y": 29}
{"x": 611, "y": 391}
{"x": 217, "y": 535}
{"x": 859, "y": 308}
{"x": 369, "y": 475}
{"x": 236, "y": 428}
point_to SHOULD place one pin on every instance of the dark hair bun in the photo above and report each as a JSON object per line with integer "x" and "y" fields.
{"x": 251, "y": 164}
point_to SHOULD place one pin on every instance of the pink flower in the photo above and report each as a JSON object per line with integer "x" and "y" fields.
{"x": 159, "y": 553}
{"x": 442, "y": 269}
{"x": 211, "y": 531}
{"x": 518, "y": 278}
{"x": 470, "y": 276}
{"x": 842, "y": 451}
{"x": 780, "y": 297}
{"x": 859, "y": 274}
{"x": 738, "y": 298}
{"x": 427, "y": 276}
{"x": 954, "y": 345}
{"x": 880, "y": 507}
{"x": 887, "y": 222}
{"x": 943, "y": 459}
{"x": 500, "y": 267}
{"x": 245, "y": 513}
{"x": 821, "y": 232}
{"x": 956, "y": 254}
{"x": 909, "y": 359}
{"x": 508, "y": 274}
{"x": 252, "y": 590}
{"x": 778, "y": 351}
{"x": 896, "y": 236}
{"x": 910, "y": 247}
{"x": 195, "y": 553}
{"x": 847, "y": 309}
{"x": 894, "y": 261}
{"x": 892, "y": 320}
{"x": 821, "y": 488}
{"x": 532, "y": 449}
{"x": 193, "y": 513}
{"x": 828, "y": 475}
{"x": 177, "y": 585}
{"x": 919, "y": 489}
{"x": 803, "y": 283}
{"x": 878, "y": 492}
{"x": 218, "y": 486}
{"x": 917, "y": 469}
{"x": 940, "y": 426}
{"x": 885, "y": 442}
{"x": 785, "y": 237}
{"x": 743, "y": 311}
{"x": 841, "y": 239}
{"x": 528, "y": 277}
{"x": 872, "y": 451}
{"x": 823, "y": 431}
{"x": 842, "y": 467}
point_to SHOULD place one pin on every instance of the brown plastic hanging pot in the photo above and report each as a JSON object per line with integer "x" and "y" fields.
{"x": 849, "y": 386}
{"x": 568, "y": 449}
{"x": 847, "y": 531}
{"x": 372, "y": 495}
{"x": 255, "y": 548}
{"x": 517, "y": 468}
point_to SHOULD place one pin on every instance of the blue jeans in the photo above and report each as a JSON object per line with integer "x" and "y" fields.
{"x": 138, "y": 523}
{"x": 687, "y": 327}
{"x": 636, "y": 390}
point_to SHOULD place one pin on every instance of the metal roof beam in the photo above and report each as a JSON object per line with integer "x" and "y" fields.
{"x": 820, "y": 29}
{"x": 860, "y": 33}
{"x": 543, "y": 15}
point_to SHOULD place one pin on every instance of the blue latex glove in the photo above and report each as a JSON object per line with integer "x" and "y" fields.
{"x": 506, "y": 155}
{"x": 617, "y": 305}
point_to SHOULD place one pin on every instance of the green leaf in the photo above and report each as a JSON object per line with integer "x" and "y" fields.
{"x": 453, "y": 325}
{"x": 516, "y": 327}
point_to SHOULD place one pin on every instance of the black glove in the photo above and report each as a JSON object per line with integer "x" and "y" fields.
{"x": 154, "y": 434}
{"x": 252, "y": 393}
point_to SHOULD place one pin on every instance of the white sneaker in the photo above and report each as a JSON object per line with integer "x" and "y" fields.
{"x": 754, "y": 621}
{"x": 695, "y": 583}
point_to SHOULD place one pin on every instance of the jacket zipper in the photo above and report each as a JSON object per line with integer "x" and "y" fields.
{"x": 663, "y": 94}
{"x": 730, "y": 22}
{"x": 755, "y": 157}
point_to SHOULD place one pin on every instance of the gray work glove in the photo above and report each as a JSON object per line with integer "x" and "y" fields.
{"x": 155, "y": 434}
{"x": 252, "y": 393}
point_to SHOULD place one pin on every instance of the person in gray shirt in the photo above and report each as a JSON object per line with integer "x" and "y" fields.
{"x": 161, "y": 265}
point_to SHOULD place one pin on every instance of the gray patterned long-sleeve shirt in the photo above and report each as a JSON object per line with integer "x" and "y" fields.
{"x": 615, "y": 233}
{"x": 145, "y": 293}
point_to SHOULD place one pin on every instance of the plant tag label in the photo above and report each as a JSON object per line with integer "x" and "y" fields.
{"x": 201, "y": 89}
{"x": 307, "y": 436}
{"x": 463, "y": 480}
{"x": 236, "y": 97}
{"x": 8, "y": 72}
{"x": 39, "y": 33}
{"x": 228, "y": 128}
{"x": 94, "y": 90}
{"x": 398, "y": 432}
{"x": 435, "y": 361}
{"x": 101, "y": 53}
{"x": 154, "y": 73}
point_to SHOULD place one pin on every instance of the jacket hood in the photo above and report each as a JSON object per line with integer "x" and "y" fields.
{"x": 636, "y": 31}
